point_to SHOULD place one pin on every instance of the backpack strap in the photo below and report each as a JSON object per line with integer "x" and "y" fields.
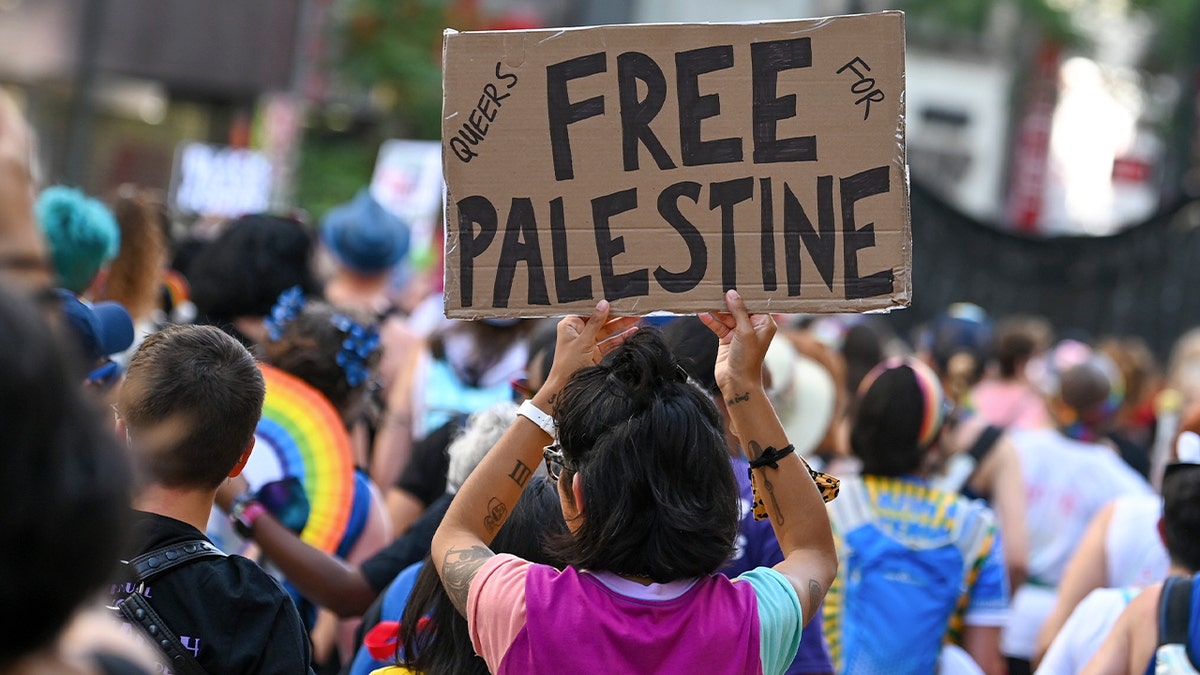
{"x": 984, "y": 443}
{"x": 1175, "y": 611}
{"x": 154, "y": 563}
{"x": 138, "y": 611}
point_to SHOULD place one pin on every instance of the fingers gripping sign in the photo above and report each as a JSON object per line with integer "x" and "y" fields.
{"x": 585, "y": 341}
{"x": 743, "y": 337}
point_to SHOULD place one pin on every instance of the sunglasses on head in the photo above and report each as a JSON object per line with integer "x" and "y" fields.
{"x": 555, "y": 461}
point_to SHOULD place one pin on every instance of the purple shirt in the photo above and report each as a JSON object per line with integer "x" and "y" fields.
{"x": 527, "y": 618}
{"x": 758, "y": 547}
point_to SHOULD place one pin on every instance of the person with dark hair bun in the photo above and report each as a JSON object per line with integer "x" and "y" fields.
{"x": 649, "y": 497}
{"x": 925, "y": 563}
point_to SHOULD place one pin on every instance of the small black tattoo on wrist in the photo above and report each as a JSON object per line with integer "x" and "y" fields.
{"x": 738, "y": 398}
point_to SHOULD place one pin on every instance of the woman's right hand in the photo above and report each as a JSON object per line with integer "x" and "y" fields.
{"x": 582, "y": 342}
{"x": 743, "y": 342}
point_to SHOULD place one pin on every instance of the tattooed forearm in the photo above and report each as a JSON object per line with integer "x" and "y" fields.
{"x": 754, "y": 450}
{"x": 774, "y": 502}
{"x": 815, "y": 595}
{"x": 738, "y": 398}
{"x": 521, "y": 473}
{"x": 458, "y": 569}
{"x": 495, "y": 515}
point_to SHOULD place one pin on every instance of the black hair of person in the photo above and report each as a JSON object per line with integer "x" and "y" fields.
{"x": 695, "y": 347}
{"x": 863, "y": 349}
{"x": 243, "y": 271}
{"x": 1181, "y": 515}
{"x": 1018, "y": 338}
{"x": 308, "y": 348}
{"x": 444, "y": 647}
{"x": 203, "y": 387}
{"x": 66, "y": 483}
{"x": 886, "y": 424}
{"x": 660, "y": 496}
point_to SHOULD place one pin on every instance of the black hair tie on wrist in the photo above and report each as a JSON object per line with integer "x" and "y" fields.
{"x": 770, "y": 457}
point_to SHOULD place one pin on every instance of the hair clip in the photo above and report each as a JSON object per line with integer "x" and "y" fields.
{"x": 286, "y": 308}
{"x": 360, "y": 342}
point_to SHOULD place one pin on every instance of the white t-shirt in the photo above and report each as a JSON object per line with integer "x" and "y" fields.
{"x": 1085, "y": 630}
{"x": 1134, "y": 550}
{"x": 1066, "y": 483}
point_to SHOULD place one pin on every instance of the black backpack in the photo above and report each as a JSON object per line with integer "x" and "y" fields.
{"x": 1174, "y": 654}
{"x": 138, "y": 611}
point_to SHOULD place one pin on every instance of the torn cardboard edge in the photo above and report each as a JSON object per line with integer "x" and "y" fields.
{"x": 643, "y": 163}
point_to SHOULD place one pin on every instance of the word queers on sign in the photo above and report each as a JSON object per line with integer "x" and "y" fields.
{"x": 639, "y": 140}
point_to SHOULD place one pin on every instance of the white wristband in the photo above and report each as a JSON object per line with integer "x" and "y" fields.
{"x": 534, "y": 414}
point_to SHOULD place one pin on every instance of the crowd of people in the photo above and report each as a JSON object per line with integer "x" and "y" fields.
{"x": 256, "y": 447}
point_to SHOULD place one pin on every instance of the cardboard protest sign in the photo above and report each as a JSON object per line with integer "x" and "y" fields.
{"x": 659, "y": 165}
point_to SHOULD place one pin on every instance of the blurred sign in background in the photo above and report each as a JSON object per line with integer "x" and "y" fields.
{"x": 408, "y": 182}
{"x": 214, "y": 180}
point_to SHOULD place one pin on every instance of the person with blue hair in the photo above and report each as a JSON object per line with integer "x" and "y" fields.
{"x": 81, "y": 232}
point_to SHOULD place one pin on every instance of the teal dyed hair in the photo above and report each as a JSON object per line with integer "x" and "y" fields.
{"x": 81, "y": 232}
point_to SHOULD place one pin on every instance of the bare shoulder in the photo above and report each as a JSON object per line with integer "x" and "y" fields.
{"x": 1141, "y": 625}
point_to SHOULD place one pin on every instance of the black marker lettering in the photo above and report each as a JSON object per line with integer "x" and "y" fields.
{"x": 767, "y": 60}
{"x": 859, "y": 186}
{"x": 767, "y": 235}
{"x": 520, "y": 245}
{"x": 820, "y": 242}
{"x": 725, "y": 195}
{"x": 510, "y": 79}
{"x": 562, "y": 112}
{"x": 566, "y": 288}
{"x": 616, "y": 286}
{"x": 472, "y": 211}
{"x": 636, "y": 115}
{"x": 693, "y": 108}
{"x": 668, "y": 208}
